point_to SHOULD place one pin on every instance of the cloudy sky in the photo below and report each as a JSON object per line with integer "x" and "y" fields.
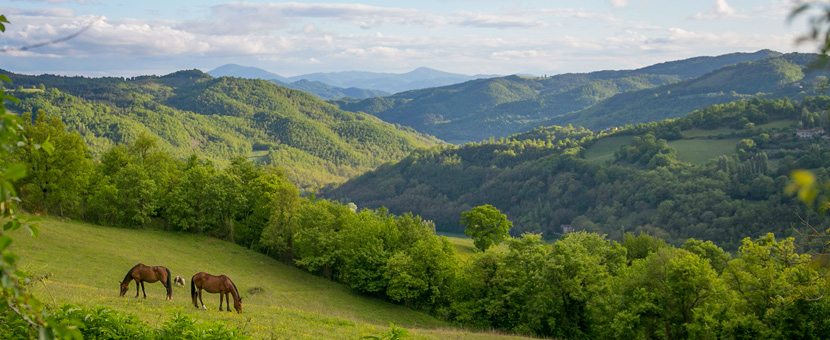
{"x": 127, "y": 37}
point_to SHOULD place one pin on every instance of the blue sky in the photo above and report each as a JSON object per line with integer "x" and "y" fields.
{"x": 130, "y": 38}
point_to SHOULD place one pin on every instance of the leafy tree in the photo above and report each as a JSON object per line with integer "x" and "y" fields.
{"x": 188, "y": 205}
{"x": 316, "y": 238}
{"x": 768, "y": 274}
{"x": 486, "y": 225}
{"x": 745, "y": 148}
{"x": 55, "y": 183}
{"x": 670, "y": 294}
{"x": 273, "y": 200}
{"x": 423, "y": 275}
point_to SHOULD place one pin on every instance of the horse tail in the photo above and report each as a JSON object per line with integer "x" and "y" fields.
{"x": 169, "y": 286}
{"x": 193, "y": 290}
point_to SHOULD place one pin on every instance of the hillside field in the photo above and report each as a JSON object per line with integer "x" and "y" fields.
{"x": 603, "y": 149}
{"x": 691, "y": 149}
{"x": 698, "y": 151}
{"x": 85, "y": 263}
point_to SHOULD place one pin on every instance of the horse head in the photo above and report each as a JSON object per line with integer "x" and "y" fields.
{"x": 238, "y": 305}
{"x": 124, "y": 287}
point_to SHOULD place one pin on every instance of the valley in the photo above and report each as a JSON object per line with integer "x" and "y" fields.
{"x": 335, "y": 223}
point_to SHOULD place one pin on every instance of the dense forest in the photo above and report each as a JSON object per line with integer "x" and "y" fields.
{"x": 542, "y": 180}
{"x": 789, "y": 75}
{"x": 499, "y": 107}
{"x": 219, "y": 119}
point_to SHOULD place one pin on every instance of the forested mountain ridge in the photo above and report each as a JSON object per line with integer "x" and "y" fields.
{"x": 498, "y": 107}
{"x": 220, "y": 118}
{"x": 542, "y": 179}
{"x": 777, "y": 77}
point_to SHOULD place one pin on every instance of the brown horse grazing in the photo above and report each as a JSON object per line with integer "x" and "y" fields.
{"x": 141, "y": 273}
{"x": 215, "y": 284}
{"x": 179, "y": 281}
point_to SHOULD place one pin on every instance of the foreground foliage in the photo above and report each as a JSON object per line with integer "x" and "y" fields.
{"x": 104, "y": 323}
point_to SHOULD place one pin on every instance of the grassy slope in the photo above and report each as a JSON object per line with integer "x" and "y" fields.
{"x": 85, "y": 263}
{"x": 698, "y": 151}
{"x": 603, "y": 149}
{"x": 695, "y": 151}
{"x": 694, "y": 148}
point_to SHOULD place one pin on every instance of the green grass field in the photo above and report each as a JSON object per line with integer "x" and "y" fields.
{"x": 698, "y": 133}
{"x": 695, "y": 151}
{"x": 698, "y": 151}
{"x": 603, "y": 149}
{"x": 85, "y": 263}
{"x": 258, "y": 156}
{"x": 780, "y": 124}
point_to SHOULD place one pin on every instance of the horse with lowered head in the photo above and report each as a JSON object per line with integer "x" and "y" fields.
{"x": 215, "y": 284}
{"x": 141, "y": 273}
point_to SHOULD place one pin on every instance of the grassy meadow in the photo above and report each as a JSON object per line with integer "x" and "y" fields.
{"x": 692, "y": 149}
{"x": 698, "y": 151}
{"x": 85, "y": 263}
{"x": 603, "y": 149}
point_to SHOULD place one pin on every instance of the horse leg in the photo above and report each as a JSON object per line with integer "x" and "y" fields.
{"x": 221, "y": 295}
{"x": 137, "y": 286}
{"x": 228, "y": 302}
{"x": 200, "y": 299}
{"x": 142, "y": 289}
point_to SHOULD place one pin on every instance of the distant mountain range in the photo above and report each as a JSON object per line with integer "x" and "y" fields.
{"x": 351, "y": 83}
{"x": 498, "y": 107}
{"x": 318, "y": 89}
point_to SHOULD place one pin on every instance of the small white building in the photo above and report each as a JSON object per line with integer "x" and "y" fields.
{"x": 810, "y": 133}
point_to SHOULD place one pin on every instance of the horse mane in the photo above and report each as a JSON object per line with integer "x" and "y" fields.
{"x": 236, "y": 291}
{"x": 129, "y": 273}
{"x": 169, "y": 286}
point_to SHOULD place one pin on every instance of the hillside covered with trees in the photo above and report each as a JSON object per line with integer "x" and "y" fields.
{"x": 789, "y": 75}
{"x": 190, "y": 112}
{"x": 542, "y": 179}
{"x": 499, "y": 107}
{"x": 583, "y": 286}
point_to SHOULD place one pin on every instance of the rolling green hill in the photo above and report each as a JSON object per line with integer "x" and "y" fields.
{"x": 498, "y": 107}
{"x": 219, "y": 118}
{"x": 722, "y": 182}
{"x": 776, "y": 77}
{"x": 84, "y": 264}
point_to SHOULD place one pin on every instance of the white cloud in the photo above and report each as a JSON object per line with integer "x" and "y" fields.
{"x": 263, "y": 17}
{"x": 510, "y": 55}
{"x": 579, "y": 13}
{"x": 618, "y": 3}
{"x": 381, "y": 52}
{"x": 720, "y": 10}
{"x": 494, "y": 20}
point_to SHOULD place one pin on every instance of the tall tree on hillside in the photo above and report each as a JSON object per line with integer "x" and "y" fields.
{"x": 55, "y": 182}
{"x": 486, "y": 225}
